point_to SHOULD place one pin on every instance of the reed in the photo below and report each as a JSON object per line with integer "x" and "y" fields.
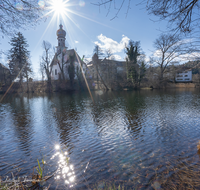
{"x": 39, "y": 169}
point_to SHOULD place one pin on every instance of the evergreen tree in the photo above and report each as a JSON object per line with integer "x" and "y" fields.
{"x": 18, "y": 57}
{"x": 132, "y": 51}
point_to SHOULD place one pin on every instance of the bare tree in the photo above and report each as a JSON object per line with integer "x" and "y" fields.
{"x": 61, "y": 63}
{"x": 46, "y": 61}
{"x": 98, "y": 51}
{"x": 168, "y": 48}
{"x": 18, "y": 14}
{"x": 115, "y": 5}
{"x": 182, "y": 13}
{"x": 41, "y": 70}
{"x": 27, "y": 73}
{"x": 109, "y": 53}
{"x": 71, "y": 69}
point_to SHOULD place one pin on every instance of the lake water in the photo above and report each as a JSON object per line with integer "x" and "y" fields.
{"x": 140, "y": 140}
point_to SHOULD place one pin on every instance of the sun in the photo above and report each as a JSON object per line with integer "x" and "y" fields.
{"x": 59, "y": 7}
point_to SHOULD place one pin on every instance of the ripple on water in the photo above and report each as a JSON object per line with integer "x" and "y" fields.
{"x": 140, "y": 139}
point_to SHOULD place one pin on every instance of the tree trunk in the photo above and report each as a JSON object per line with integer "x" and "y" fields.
{"x": 161, "y": 77}
{"x": 27, "y": 84}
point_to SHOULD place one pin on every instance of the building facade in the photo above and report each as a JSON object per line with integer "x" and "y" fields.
{"x": 5, "y": 76}
{"x": 61, "y": 60}
{"x": 109, "y": 72}
{"x": 185, "y": 76}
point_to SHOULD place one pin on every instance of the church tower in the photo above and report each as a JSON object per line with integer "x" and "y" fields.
{"x": 61, "y": 39}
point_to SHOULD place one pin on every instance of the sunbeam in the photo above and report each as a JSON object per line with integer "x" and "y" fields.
{"x": 44, "y": 32}
{"x": 78, "y": 14}
{"x": 79, "y": 28}
{"x": 58, "y": 6}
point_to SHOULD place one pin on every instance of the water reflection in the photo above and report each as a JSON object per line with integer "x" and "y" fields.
{"x": 65, "y": 170}
{"x": 22, "y": 122}
{"x": 140, "y": 139}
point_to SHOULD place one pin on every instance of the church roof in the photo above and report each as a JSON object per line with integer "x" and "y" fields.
{"x": 54, "y": 60}
{"x": 3, "y": 66}
{"x": 69, "y": 52}
{"x": 106, "y": 61}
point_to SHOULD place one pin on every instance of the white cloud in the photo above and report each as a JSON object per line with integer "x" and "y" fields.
{"x": 87, "y": 59}
{"x": 192, "y": 56}
{"x": 157, "y": 53}
{"x": 117, "y": 57}
{"x": 76, "y": 42}
{"x": 108, "y": 43}
{"x": 147, "y": 59}
{"x": 181, "y": 58}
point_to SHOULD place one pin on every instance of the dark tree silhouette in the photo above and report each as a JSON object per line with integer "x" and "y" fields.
{"x": 18, "y": 15}
{"x": 182, "y": 15}
{"x": 98, "y": 51}
{"x": 71, "y": 69}
{"x": 133, "y": 52}
{"x": 168, "y": 48}
{"x": 18, "y": 57}
{"x": 46, "y": 61}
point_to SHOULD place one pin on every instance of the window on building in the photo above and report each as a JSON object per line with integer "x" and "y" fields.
{"x": 55, "y": 71}
{"x": 186, "y": 75}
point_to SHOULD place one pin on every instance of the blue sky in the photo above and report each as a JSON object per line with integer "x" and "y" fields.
{"x": 87, "y": 26}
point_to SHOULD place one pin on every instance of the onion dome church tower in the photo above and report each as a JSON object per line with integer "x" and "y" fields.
{"x": 61, "y": 39}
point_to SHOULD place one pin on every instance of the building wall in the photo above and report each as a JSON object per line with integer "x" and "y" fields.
{"x": 54, "y": 75}
{"x": 56, "y": 67}
{"x": 113, "y": 73}
{"x": 184, "y": 76}
{"x": 4, "y": 76}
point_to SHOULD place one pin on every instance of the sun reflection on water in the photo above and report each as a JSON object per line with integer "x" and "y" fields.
{"x": 65, "y": 170}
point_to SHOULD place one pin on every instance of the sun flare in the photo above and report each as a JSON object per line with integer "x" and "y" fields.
{"x": 59, "y": 6}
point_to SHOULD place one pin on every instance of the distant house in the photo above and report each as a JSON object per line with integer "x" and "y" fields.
{"x": 107, "y": 68}
{"x": 185, "y": 76}
{"x": 4, "y": 75}
{"x": 108, "y": 72}
{"x": 62, "y": 55}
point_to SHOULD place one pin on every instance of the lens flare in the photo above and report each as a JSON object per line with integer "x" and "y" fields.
{"x": 82, "y": 3}
{"x": 41, "y": 3}
{"x": 19, "y": 6}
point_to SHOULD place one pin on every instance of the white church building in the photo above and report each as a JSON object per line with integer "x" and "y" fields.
{"x": 61, "y": 58}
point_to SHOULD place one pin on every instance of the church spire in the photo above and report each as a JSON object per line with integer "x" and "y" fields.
{"x": 61, "y": 38}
